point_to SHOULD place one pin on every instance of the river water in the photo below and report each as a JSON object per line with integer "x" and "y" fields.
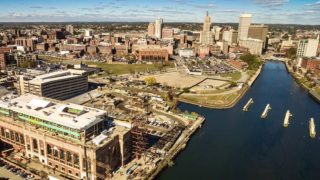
{"x": 237, "y": 145}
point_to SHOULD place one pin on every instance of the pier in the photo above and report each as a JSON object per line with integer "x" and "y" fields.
{"x": 265, "y": 112}
{"x": 246, "y": 107}
{"x": 312, "y": 128}
{"x": 286, "y": 119}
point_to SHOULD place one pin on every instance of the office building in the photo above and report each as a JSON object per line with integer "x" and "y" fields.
{"x": 254, "y": 45}
{"x": 244, "y": 24}
{"x": 230, "y": 36}
{"x": 70, "y": 29}
{"x": 71, "y": 139}
{"x": 206, "y": 35}
{"x": 151, "y": 30}
{"x": 259, "y": 32}
{"x": 167, "y": 33}
{"x": 158, "y": 28}
{"x": 59, "y": 85}
{"x": 308, "y": 47}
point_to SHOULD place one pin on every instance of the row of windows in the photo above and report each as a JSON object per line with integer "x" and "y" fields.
{"x": 63, "y": 156}
{"x": 13, "y": 136}
{"x": 38, "y": 121}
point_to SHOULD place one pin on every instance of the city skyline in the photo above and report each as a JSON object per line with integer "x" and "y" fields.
{"x": 283, "y": 11}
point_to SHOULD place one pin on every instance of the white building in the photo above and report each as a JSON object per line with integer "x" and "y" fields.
{"x": 158, "y": 28}
{"x": 244, "y": 24}
{"x": 254, "y": 45}
{"x": 308, "y": 47}
{"x": 187, "y": 52}
{"x": 216, "y": 31}
{"x": 230, "y": 36}
{"x": 88, "y": 32}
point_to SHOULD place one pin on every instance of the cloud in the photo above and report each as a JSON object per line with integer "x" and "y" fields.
{"x": 36, "y": 7}
{"x": 271, "y": 3}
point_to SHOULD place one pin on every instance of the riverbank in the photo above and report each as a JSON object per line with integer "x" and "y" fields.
{"x": 180, "y": 144}
{"x": 312, "y": 92}
{"x": 233, "y": 101}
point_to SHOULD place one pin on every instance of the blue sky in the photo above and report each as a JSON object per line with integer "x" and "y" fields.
{"x": 264, "y": 11}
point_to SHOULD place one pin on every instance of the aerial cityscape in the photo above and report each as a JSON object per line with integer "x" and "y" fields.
{"x": 183, "y": 89}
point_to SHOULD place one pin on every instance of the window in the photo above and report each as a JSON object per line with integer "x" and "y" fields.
{"x": 28, "y": 147}
{"x": 21, "y": 139}
{"x": 49, "y": 149}
{"x": 76, "y": 159}
{"x": 55, "y": 153}
{"x": 62, "y": 154}
{"x": 17, "y": 137}
{"x": 70, "y": 172}
{"x": 68, "y": 156}
{"x": 12, "y": 135}
{"x": 35, "y": 144}
{"x": 42, "y": 152}
{"x": 2, "y": 132}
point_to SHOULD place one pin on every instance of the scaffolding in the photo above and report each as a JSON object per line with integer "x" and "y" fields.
{"x": 139, "y": 137}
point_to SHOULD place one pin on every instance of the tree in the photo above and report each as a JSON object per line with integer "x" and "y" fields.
{"x": 233, "y": 84}
{"x": 252, "y": 60}
{"x": 150, "y": 81}
{"x": 291, "y": 53}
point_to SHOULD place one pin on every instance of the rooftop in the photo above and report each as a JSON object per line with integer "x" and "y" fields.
{"x": 59, "y": 75}
{"x": 65, "y": 114}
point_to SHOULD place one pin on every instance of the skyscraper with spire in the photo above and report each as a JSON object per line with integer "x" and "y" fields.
{"x": 206, "y": 36}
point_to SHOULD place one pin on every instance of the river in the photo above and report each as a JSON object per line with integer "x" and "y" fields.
{"x": 237, "y": 145}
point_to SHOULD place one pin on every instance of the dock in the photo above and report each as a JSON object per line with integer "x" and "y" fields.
{"x": 312, "y": 128}
{"x": 265, "y": 112}
{"x": 246, "y": 107}
{"x": 287, "y": 119}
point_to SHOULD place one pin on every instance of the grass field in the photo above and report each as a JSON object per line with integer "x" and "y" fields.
{"x": 234, "y": 76}
{"x": 318, "y": 90}
{"x": 212, "y": 99}
{"x": 115, "y": 69}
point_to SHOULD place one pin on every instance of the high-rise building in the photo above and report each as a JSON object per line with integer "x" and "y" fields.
{"x": 206, "y": 36}
{"x": 259, "y": 32}
{"x": 207, "y": 22}
{"x": 70, "y": 29}
{"x": 308, "y": 47}
{"x": 216, "y": 31}
{"x": 151, "y": 29}
{"x": 244, "y": 24}
{"x": 230, "y": 36}
{"x": 158, "y": 28}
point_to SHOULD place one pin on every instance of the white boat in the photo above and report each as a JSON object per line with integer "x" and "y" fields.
{"x": 246, "y": 107}
{"x": 312, "y": 128}
{"x": 286, "y": 119}
{"x": 265, "y": 112}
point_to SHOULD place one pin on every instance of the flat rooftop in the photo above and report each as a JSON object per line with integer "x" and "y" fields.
{"x": 59, "y": 75}
{"x": 65, "y": 114}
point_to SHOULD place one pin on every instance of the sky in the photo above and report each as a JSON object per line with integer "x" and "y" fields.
{"x": 221, "y": 11}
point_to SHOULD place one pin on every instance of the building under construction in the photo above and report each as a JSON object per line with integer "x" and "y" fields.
{"x": 75, "y": 140}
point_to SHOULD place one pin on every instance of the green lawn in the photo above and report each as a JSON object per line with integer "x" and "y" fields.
{"x": 234, "y": 76}
{"x": 112, "y": 68}
{"x": 318, "y": 90}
